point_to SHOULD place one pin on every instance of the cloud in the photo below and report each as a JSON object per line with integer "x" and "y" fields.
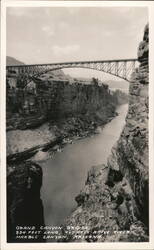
{"x": 107, "y": 33}
{"x": 73, "y": 10}
{"x": 23, "y": 12}
{"x": 65, "y": 50}
{"x": 63, "y": 25}
{"x": 47, "y": 12}
{"x": 17, "y": 11}
{"x": 48, "y": 30}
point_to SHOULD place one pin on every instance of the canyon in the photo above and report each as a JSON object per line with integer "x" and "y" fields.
{"x": 51, "y": 112}
{"x": 119, "y": 189}
{"x": 48, "y": 114}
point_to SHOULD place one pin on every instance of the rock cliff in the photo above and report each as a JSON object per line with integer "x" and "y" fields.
{"x": 55, "y": 100}
{"x": 114, "y": 203}
{"x": 24, "y": 206}
{"x": 49, "y": 109}
{"x": 67, "y": 110}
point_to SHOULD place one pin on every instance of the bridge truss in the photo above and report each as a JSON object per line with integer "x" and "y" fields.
{"x": 121, "y": 68}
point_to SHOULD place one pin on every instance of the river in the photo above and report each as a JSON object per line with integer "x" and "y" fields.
{"x": 65, "y": 174}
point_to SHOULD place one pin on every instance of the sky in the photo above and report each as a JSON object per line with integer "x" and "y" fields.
{"x": 59, "y": 34}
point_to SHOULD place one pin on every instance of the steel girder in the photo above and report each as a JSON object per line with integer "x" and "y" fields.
{"x": 122, "y": 68}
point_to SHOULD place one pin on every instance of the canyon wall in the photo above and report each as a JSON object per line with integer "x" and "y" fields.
{"x": 24, "y": 206}
{"x": 67, "y": 110}
{"x": 114, "y": 204}
{"x": 56, "y": 100}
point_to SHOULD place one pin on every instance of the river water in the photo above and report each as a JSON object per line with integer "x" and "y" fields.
{"x": 65, "y": 174}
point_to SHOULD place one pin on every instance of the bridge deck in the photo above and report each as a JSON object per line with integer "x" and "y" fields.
{"x": 75, "y": 62}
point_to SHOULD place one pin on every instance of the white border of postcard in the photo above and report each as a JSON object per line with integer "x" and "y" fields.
{"x": 50, "y": 246}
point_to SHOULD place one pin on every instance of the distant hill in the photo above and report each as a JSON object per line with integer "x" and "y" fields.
{"x": 57, "y": 74}
{"x": 122, "y": 85}
{"x": 12, "y": 61}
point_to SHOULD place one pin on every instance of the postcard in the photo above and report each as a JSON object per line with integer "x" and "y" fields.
{"x": 77, "y": 121}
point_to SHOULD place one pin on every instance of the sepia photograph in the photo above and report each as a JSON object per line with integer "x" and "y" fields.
{"x": 76, "y": 97}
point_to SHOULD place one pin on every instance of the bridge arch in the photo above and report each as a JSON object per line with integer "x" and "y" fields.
{"x": 81, "y": 68}
{"x": 122, "y": 68}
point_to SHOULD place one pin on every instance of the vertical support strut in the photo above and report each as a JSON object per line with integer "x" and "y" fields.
{"x": 125, "y": 70}
{"x": 116, "y": 68}
{"x": 109, "y": 67}
{"x": 133, "y": 66}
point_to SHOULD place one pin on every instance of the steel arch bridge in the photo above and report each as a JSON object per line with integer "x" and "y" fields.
{"x": 122, "y": 68}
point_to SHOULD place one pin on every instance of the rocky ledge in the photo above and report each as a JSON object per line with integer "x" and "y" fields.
{"x": 114, "y": 200}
